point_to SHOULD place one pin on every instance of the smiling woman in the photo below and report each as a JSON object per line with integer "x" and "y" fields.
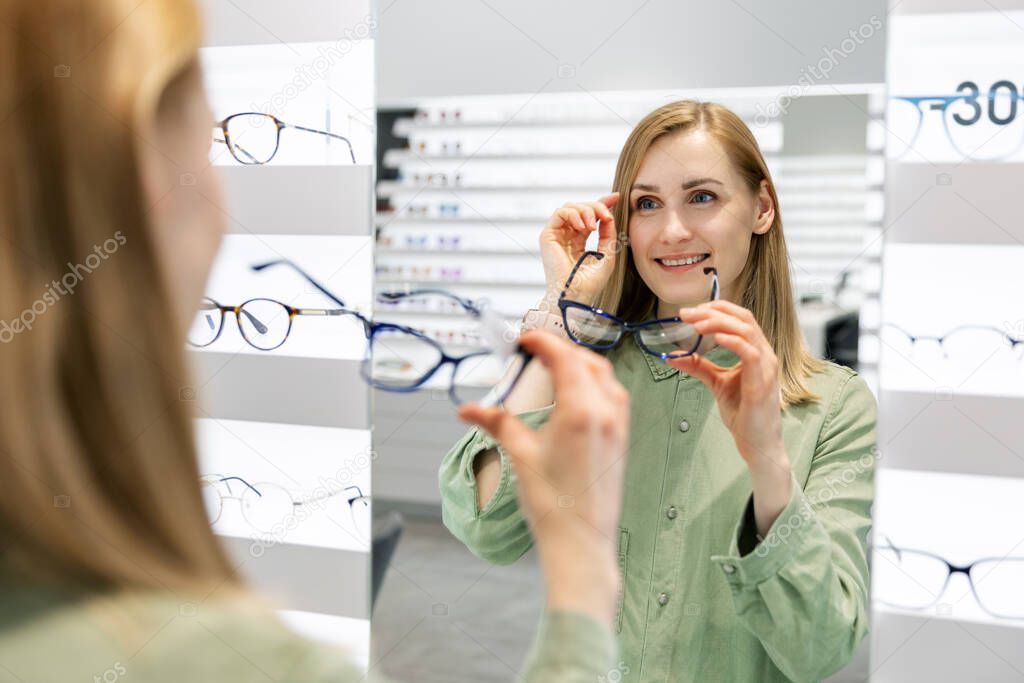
{"x": 106, "y": 548}
{"x": 698, "y": 184}
{"x": 742, "y": 558}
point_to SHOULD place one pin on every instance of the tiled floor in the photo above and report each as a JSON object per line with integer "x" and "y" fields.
{"x": 445, "y": 616}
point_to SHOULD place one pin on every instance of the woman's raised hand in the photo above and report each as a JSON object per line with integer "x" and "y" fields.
{"x": 564, "y": 238}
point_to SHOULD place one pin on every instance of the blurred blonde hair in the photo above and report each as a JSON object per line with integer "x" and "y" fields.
{"x": 97, "y": 459}
{"x": 763, "y": 285}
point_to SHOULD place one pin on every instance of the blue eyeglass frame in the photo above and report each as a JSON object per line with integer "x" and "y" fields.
{"x": 371, "y": 329}
{"x": 623, "y": 327}
{"x": 942, "y": 102}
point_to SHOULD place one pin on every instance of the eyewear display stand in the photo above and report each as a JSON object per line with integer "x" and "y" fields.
{"x": 950, "y": 476}
{"x": 297, "y": 417}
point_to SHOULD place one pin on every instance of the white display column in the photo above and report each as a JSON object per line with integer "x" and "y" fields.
{"x": 949, "y": 349}
{"x": 298, "y": 416}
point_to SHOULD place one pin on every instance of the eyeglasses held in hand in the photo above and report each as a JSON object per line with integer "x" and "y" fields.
{"x": 254, "y": 138}
{"x": 596, "y": 329}
{"x": 916, "y": 580}
{"x": 264, "y": 323}
{"x": 270, "y": 508}
{"x": 403, "y": 359}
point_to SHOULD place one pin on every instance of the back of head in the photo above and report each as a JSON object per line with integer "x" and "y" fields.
{"x": 97, "y": 461}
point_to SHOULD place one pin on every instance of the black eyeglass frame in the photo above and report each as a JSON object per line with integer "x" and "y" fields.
{"x": 371, "y": 329}
{"x": 239, "y": 311}
{"x": 624, "y": 327}
{"x": 279, "y": 125}
{"x": 951, "y": 569}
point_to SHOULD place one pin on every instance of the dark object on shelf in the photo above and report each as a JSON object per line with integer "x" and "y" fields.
{"x": 842, "y": 334}
{"x": 386, "y": 532}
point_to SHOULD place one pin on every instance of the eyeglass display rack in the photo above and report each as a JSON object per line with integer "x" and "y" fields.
{"x": 465, "y": 185}
{"x": 950, "y": 476}
{"x": 297, "y": 416}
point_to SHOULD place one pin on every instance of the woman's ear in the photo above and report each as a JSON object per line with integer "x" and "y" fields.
{"x": 765, "y": 210}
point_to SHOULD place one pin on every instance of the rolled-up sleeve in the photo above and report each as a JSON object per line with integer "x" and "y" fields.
{"x": 498, "y": 532}
{"x": 803, "y": 589}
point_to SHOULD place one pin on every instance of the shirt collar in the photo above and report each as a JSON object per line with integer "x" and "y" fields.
{"x": 719, "y": 355}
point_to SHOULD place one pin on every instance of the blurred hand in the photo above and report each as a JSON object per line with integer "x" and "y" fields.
{"x": 570, "y": 472}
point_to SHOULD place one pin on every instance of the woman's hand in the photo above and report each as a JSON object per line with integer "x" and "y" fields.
{"x": 749, "y": 399}
{"x": 564, "y": 238}
{"x": 570, "y": 473}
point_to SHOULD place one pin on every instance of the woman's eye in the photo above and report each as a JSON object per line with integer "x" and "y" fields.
{"x": 645, "y": 203}
{"x": 702, "y": 197}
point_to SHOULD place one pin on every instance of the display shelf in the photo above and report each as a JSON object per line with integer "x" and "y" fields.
{"x": 305, "y": 577}
{"x": 916, "y": 434}
{"x": 950, "y": 6}
{"x": 349, "y": 635}
{"x": 257, "y": 22}
{"x": 323, "y": 529}
{"x": 539, "y": 285}
{"x": 385, "y": 188}
{"x": 909, "y": 647}
{"x": 281, "y": 389}
{"x": 966, "y": 203}
{"x": 301, "y": 458}
{"x": 298, "y": 200}
{"x": 516, "y": 140}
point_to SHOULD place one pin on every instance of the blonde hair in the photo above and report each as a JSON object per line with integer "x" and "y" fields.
{"x": 97, "y": 454}
{"x": 763, "y": 285}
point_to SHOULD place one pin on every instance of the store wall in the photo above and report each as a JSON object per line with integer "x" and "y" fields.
{"x": 468, "y": 47}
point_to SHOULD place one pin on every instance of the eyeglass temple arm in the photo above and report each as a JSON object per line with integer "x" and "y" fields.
{"x": 254, "y": 489}
{"x": 237, "y": 146}
{"x": 713, "y": 272}
{"x": 468, "y": 305}
{"x": 330, "y": 135}
{"x": 323, "y": 290}
{"x": 331, "y": 494}
{"x": 583, "y": 257}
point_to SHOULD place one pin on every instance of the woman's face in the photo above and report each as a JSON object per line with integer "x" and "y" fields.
{"x": 689, "y": 201}
{"x": 183, "y": 192}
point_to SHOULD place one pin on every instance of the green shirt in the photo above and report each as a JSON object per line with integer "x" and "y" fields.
{"x": 702, "y": 599}
{"x": 46, "y": 637}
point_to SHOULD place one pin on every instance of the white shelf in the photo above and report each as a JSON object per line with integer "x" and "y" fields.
{"x": 305, "y": 577}
{"x": 916, "y": 433}
{"x": 283, "y": 389}
{"x": 966, "y": 203}
{"x": 298, "y": 200}
{"x": 387, "y": 188}
{"x": 908, "y": 647}
{"x": 297, "y": 457}
{"x": 351, "y": 636}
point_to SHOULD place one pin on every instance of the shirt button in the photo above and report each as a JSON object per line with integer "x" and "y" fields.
{"x": 663, "y": 599}
{"x": 671, "y": 513}
{"x": 728, "y": 569}
{"x": 684, "y": 426}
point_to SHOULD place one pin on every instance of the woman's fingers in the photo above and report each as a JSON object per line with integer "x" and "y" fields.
{"x": 747, "y": 352}
{"x": 710, "y": 321}
{"x": 610, "y": 200}
{"x": 571, "y": 217}
{"x": 727, "y": 317}
{"x": 562, "y": 358}
{"x": 588, "y": 214}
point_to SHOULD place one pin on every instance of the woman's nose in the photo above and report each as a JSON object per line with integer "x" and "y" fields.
{"x": 674, "y": 229}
